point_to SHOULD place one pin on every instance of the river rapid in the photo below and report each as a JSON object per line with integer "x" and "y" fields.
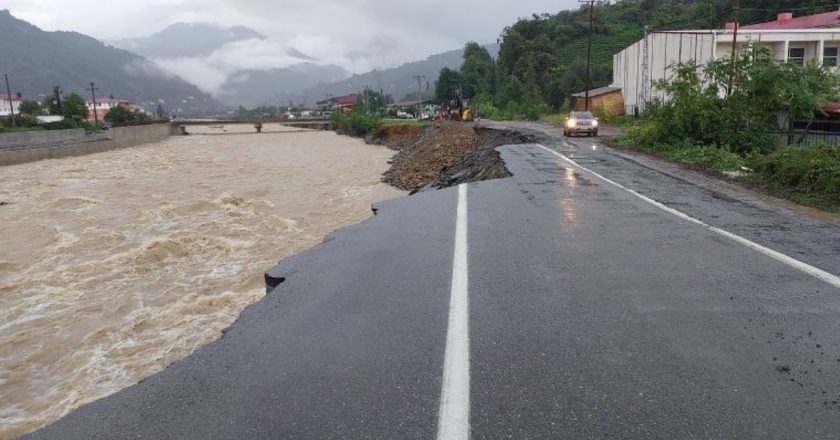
{"x": 114, "y": 265}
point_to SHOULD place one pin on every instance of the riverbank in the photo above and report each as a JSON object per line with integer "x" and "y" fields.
{"x": 119, "y": 263}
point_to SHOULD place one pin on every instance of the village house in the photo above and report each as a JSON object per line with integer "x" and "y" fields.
{"x": 104, "y": 105}
{"x": 340, "y": 103}
{"x": 605, "y": 99}
{"x": 7, "y": 106}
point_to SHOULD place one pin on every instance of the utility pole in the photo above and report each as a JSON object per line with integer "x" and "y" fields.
{"x": 93, "y": 96}
{"x": 420, "y": 79}
{"x": 734, "y": 42}
{"x": 711, "y": 16}
{"x": 645, "y": 71}
{"x": 589, "y": 50}
{"x": 11, "y": 103}
{"x": 57, "y": 94}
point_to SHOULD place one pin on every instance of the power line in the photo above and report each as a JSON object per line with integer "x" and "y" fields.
{"x": 93, "y": 97}
{"x": 734, "y": 42}
{"x": 420, "y": 79}
{"x": 11, "y": 103}
{"x": 589, "y": 51}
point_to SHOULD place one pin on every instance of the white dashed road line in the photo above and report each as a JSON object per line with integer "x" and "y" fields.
{"x": 454, "y": 417}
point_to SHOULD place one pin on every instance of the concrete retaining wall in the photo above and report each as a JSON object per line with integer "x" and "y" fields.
{"x": 35, "y": 138}
{"x": 122, "y": 137}
{"x": 146, "y": 134}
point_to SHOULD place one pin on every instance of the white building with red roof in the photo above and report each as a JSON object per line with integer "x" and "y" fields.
{"x": 7, "y": 106}
{"x": 105, "y": 104}
{"x": 800, "y": 40}
{"x": 342, "y": 103}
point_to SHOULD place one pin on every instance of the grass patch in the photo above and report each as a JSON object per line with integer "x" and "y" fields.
{"x": 700, "y": 157}
{"x": 707, "y": 158}
{"x": 20, "y": 129}
{"x": 554, "y": 118}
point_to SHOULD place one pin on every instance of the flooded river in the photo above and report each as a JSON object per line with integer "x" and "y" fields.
{"x": 114, "y": 265}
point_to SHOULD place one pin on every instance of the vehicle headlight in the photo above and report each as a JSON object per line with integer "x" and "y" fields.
{"x": 571, "y": 123}
{"x": 594, "y": 123}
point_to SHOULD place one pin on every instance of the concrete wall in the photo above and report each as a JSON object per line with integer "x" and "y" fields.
{"x": 664, "y": 49}
{"x": 122, "y": 137}
{"x": 144, "y": 134}
{"x": 35, "y": 138}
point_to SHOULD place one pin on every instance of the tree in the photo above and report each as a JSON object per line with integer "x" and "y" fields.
{"x": 448, "y": 80}
{"x": 50, "y": 106}
{"x": 121, "y": 114}
{"x": 513, "y": 91}
{"x": 75, "y": 107}
{"x": 32, "y": 108}
{"x": 160, "y": 112}
{"x": 478, "y": 72}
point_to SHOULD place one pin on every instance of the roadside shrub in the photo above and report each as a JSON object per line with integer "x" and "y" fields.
{"x": 533, "y": 111}
{"x": 23, "y": 122}
{"x": 734, "y": 104}
{"x": 122, "y": 115}
{"x": 63, "y": 124}
{"x": 643, "y": 133}
{"x": 484, "y": 107}
{"x": 354, "y": 123}
{"x": 706, "y": 157}
{"x": 806, "y": 169}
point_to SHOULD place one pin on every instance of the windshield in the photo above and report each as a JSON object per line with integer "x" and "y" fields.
{"x": 582, "y": 115}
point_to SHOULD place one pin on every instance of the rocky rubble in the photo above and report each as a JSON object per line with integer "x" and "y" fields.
{"x": 446, "y": 154}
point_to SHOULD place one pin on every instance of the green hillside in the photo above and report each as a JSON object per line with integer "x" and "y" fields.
{"x": 36, "y": 61}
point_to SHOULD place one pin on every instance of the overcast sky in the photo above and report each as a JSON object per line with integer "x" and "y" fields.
{"x": 361, "y": 34}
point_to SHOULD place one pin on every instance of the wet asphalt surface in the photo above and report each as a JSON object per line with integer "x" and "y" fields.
{"x": 593, "y": 315}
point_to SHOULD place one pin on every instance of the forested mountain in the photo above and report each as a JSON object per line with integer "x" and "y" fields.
{"x": 398, "y": 82}
{"x": 36, "y": 61}
{"x": 543, "y": 58}
{"x": 187, "y": 40}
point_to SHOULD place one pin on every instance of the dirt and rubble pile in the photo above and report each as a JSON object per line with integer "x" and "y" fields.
{"x": 447, "y": 154}
{"x": 399, "y": 136}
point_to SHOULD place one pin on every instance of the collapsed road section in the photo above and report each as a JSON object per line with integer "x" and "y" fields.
{"x": 446, "y": 154}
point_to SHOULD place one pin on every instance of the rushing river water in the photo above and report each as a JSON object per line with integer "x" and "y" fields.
{"x": 114, "y": 265}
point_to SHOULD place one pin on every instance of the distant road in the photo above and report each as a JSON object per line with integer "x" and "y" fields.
{"x": 592, "y": 295}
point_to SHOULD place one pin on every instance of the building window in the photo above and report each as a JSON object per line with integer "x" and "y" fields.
{"x": 796, "y": 55}
{"x": 830, "y": 57}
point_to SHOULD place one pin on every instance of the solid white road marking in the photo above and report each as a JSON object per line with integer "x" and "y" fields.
{"x": 815, "y": 272}
{"x": 454, "y": 416}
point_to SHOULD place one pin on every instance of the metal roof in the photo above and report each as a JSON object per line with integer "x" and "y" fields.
{"x": 827, "y": 19}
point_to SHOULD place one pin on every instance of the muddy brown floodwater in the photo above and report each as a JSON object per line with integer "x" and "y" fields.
{"x": 114, "y": 265}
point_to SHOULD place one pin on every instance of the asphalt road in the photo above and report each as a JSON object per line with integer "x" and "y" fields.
{"x": 577, "y": 309}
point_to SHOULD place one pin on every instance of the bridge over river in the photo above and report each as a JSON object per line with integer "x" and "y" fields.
{"x": 314, "y": 124}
